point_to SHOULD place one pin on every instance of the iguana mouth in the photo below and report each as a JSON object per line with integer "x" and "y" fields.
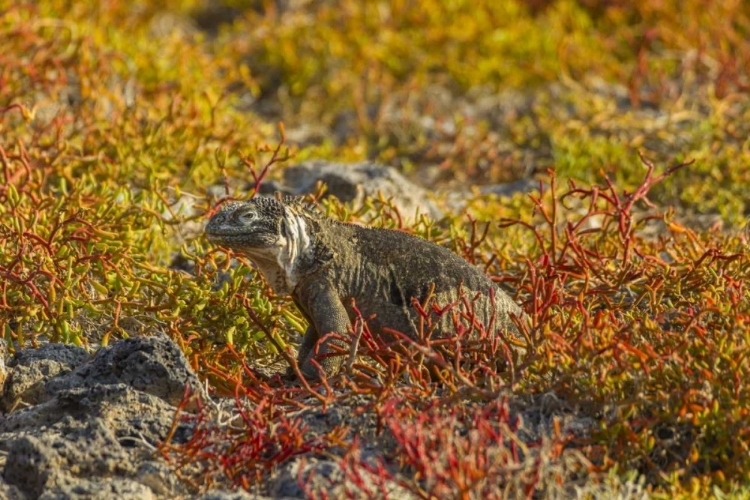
{"x": 219, "y": 234}
{"x": 225, "y": 235}
{"x": 236, "y": 240}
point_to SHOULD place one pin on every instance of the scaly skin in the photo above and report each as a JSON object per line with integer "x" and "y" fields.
{"x": 324, "y": 264}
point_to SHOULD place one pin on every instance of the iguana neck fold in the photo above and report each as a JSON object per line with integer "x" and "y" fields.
{"x": 293, "y": 254}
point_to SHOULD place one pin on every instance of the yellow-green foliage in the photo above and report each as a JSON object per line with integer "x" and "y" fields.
{"x": 109, "y": 139}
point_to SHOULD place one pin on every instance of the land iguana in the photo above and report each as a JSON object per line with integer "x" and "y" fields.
{"x": 324, "y": 264}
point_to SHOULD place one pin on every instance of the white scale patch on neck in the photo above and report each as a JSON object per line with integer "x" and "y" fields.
{"x": 297, "y": 245}
{"x": 280, "y": 268}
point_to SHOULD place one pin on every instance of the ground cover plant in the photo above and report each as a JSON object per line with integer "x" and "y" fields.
{"x": 123, "y": 124}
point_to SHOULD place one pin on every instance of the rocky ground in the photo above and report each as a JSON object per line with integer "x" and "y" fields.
{"x": 81, "y": 426}
{"x": 77, "y": 425}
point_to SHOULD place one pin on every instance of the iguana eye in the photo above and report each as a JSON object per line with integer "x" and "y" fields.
{"x": 247, "y": 216}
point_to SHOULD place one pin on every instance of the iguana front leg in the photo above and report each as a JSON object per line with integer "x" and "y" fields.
{"x": 307, "y": 347}
{"x": 327, "y": 315}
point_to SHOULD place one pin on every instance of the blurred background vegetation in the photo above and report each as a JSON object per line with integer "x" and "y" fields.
{"x": 447, "y": 91}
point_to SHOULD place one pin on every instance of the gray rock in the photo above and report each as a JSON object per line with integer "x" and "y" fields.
{"x": 93, "y": 422}
{"x": 154, "y": 365}
{"x": 66, "y": 355}
{"x": 160, "y": 478}
{"x": 104, "y": 489}
{"x": 35, "y": 464}
{"x": 10, "y": 492}
{"x": 31, "y": 369}
{"x": 352, "y": 183}
{"x": 130, "y": 414}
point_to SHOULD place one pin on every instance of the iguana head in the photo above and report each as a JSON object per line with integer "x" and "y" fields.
{"x": 275, "y": 234}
